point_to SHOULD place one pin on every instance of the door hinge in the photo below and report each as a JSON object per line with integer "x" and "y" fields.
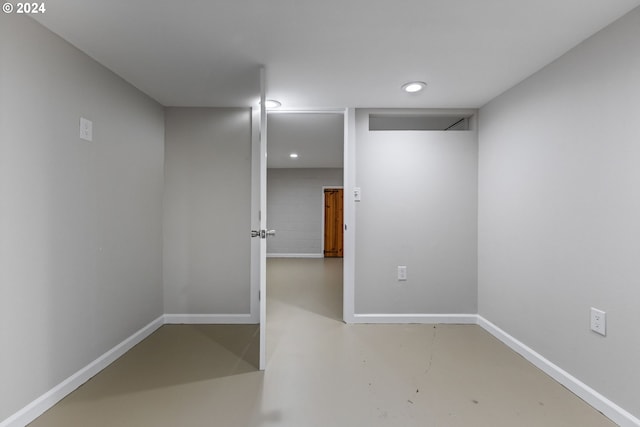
{"x": 259, "y": 295}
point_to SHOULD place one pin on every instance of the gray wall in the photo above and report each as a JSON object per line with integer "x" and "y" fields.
{"x": 80, "y": 222}
{"x": 207, "y": 242}
{"x": 559, "y": 211}
{"x": 419, "y": 209}
{"x": 295, "y": 208}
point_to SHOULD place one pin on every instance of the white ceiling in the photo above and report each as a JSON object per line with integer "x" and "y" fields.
{"x": 327, "y": 53}
{"x": 317, "y": 138}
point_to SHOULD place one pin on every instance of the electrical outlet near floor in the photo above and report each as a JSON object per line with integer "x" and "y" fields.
{"x": 402, "y": 273}
{"x": 598, "y": 321}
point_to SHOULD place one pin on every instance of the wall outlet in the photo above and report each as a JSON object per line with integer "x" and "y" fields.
{"x": 598, "y": 321}
{"x": 86, "y": 129}
{"x": 402, "y": 273}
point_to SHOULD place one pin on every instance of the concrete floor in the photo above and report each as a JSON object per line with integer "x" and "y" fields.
{"x": 320, "y": 372}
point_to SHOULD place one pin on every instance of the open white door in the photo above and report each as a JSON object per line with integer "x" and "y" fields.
{"x": 259, "y": 231}
{"x": 263, "y": 221}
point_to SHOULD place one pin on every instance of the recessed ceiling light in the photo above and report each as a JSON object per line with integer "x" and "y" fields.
{"x": 413, "y": 87}
{"x": 293, "y": 155}
{"x": 272, "y": 103}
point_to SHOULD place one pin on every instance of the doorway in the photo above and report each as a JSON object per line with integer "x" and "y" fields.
{"x": 305, "y": 156}
{"x": 299, "y": 278}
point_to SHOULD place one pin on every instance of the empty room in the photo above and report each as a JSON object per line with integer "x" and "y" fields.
{"x": 305, "y": 213}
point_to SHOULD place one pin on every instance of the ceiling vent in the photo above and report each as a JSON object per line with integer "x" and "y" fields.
{"x": 381, "y": 122}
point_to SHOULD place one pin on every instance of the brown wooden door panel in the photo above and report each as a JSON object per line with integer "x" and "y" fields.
{"x": 333, "y": 222}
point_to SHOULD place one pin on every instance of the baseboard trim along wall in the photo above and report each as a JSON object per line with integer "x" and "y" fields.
{"x": 39, "y": 406}
{"x": 459, "y": 319}
{"x": 599, "y": 402}
{"x": 36, "y": 408}
{"x": 586, "y": 393}
{"x": 210, "y": 319}
{"x": 295, "y": 255}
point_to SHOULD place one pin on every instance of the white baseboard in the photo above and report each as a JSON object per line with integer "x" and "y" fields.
{"x": 460, "y": 319}
{"x": 36, "y": 408}
{"x": 589, "y": 395}
{"x": 39, "y": 406}
{"x": 295, "y": 255}
{"x": 611, "y": 410}
{"x": 586, "y": 393}
{"x": 210, "y": 319}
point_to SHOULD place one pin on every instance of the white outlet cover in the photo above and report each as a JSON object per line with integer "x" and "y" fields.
{"x": 86, "y": 129}
{"x": 598, "y": 321}
{"x": 402, "y": 272}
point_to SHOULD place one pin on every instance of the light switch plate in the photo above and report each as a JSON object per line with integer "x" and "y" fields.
{"x": 357, "y": 194}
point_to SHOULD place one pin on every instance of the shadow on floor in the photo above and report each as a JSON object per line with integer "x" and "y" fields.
{"x": 178, "y": 354}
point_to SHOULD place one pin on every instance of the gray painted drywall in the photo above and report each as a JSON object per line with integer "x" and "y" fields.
{"x": 418, "y": 209}
{"x": 295, "y": 208}
{"x": 559, "y": 181}
{"x": 80, "y": 222}
{"x": 207, "y": 240}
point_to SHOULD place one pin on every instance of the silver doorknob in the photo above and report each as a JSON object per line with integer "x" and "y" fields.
{"x": 263, "y": 233}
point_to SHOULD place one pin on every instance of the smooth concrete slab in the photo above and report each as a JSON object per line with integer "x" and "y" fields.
{"x": 321, "y": 372}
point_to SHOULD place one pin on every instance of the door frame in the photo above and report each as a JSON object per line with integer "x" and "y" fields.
{"x": 349, "y": 206}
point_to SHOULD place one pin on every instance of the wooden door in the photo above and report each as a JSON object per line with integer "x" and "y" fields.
{"x": 333, "y": 222}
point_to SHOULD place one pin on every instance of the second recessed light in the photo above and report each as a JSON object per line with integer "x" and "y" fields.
{"x": 293, "y": 155}
{"x": 272, "y": 103}
{"x": 413, "y": 87}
